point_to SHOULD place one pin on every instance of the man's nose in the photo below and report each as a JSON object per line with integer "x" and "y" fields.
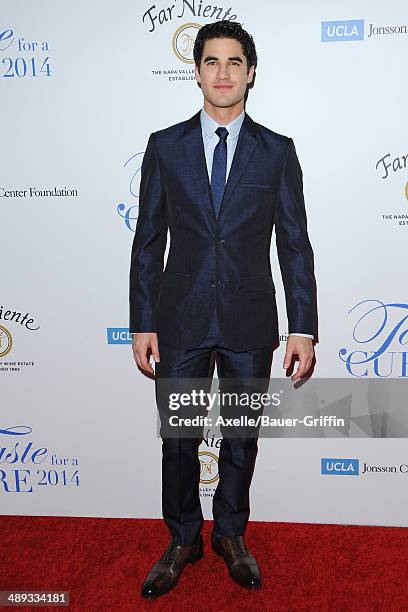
{"x": 223, "y": 71}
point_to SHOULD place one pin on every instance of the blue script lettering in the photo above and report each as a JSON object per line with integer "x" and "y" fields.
{"x": 396, "y": 332}
{"x": 23, "y": 453}
{"x": 4, "y": 36}
{"x": 126, "y": 214}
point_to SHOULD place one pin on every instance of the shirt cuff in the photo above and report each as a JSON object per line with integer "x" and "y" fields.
{"x": 304, "y": 335}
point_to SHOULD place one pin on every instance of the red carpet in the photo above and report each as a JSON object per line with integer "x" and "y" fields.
{"x": 305, "y": 567}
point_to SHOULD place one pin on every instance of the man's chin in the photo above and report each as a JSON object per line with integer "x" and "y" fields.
{"x": 224, "y": 103}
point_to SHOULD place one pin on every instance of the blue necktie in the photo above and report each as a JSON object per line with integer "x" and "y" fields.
{"x": 219, "y": 168}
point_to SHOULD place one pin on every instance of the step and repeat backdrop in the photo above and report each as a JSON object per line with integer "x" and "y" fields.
{"x": 82, "y": 85}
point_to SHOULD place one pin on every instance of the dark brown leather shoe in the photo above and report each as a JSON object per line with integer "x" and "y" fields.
{"x": 241, "y": 564}
{"x": 166, "y": 571}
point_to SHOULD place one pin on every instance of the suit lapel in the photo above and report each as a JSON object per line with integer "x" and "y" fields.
{"x": 245, "y": 147}
{"x": 194, "y": 150}
{"x": 195, "y": 157}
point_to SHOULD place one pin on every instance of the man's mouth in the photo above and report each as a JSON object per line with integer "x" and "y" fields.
{"x": 223, "y": 86}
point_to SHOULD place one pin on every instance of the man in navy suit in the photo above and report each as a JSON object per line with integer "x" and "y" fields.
{"x": 219, "y": 182}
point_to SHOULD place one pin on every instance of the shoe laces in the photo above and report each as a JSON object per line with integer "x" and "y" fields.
{"x": 239, "y": 546}
{"x": 171, "y": 552}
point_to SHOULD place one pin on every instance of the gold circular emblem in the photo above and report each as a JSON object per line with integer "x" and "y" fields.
{"x": 208, "y": 467}
{"x": 183, "y": 41}
{"x": 6, "y": 341}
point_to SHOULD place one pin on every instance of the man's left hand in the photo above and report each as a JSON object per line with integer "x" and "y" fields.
{"x": 303, "y": 348}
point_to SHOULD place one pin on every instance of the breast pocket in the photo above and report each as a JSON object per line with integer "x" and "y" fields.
{"x": 257, "y": 185}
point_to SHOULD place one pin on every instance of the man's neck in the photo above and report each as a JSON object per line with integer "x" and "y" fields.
{"x": 223, "y": 116}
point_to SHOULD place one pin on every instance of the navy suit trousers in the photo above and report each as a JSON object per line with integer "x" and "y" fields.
{"x": 180, "y": 462}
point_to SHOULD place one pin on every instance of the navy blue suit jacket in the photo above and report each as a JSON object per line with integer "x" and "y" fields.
{"x": 220, "y": 263}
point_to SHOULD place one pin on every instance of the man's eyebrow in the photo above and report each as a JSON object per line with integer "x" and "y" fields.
{"x": 211, "y": 58}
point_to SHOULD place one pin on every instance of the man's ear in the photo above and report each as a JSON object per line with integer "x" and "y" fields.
{"x": 197, "y": 74}
{"x": 250, "y": 76}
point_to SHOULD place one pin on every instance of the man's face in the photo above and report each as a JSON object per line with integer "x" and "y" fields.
{"x": 223, "y": 72}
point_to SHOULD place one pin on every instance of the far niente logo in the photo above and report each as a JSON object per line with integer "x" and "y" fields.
{"x": 183, "y": 41}
{"x": 208, "y": 467}
{"x": 6, "y": 341}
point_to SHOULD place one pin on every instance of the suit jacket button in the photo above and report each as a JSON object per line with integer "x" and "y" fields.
{"x": 212, "y": 283}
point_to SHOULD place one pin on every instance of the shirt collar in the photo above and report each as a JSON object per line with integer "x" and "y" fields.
{"x": 209, "y": 125}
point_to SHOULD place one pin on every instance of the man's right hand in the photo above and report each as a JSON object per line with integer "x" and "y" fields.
{"x": 143, "y": 345}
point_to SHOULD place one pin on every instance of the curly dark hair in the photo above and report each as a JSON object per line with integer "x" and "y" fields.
{"x": 225, "y": 29}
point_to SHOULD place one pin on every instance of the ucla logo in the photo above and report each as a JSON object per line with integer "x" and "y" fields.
{"x": 340, "y": 467}
{"x": 335, "y": 31}
{"x": 119, "y": 335}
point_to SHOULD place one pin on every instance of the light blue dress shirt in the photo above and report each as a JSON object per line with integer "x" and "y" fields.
{"x": 210, "y": 141}
{"x": 210, "y": 138}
